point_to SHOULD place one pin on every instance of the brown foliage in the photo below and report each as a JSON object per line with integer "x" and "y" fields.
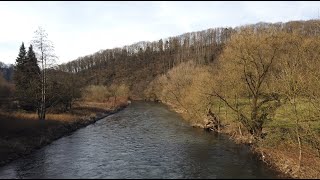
{"x": 184, "y": 88}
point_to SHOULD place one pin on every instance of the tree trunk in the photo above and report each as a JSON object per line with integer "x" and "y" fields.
{"x": 43, "y": 90}
{"x": 226, "y": 113}
{"x": 255, "y": 128}
{"x": 240, "y": 132}
{"x": 219, "y": 114}
{"x": 297, "y": 131}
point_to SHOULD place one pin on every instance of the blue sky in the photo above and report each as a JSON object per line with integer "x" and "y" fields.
{"x": 82, "y": 28}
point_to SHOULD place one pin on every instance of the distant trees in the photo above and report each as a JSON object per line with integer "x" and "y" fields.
{"x": 139, "y": 63}
{"x": 6, "y": 91}
{"x": 7, "y": 71}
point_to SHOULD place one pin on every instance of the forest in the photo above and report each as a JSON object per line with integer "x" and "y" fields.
{"x": 258, "y": 83}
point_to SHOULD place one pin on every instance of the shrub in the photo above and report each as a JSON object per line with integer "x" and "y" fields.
{"x": 96, "y": 93}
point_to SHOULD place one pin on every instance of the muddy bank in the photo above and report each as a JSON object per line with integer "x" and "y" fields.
{"x": 23, "y": 143}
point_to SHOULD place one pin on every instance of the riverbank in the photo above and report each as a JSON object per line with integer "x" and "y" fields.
{"x": 279, "y": 154}
{"x": 22, "y": 133}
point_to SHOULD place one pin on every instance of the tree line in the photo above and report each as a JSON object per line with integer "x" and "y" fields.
{"x": 138, "y": 64}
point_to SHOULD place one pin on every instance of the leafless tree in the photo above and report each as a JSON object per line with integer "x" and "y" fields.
{"x": 45, "y": 52}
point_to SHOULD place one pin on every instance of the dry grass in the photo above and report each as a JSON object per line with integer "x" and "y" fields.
{"x": 23, "y": 115}
{"x": 103, "y": 105}
{"x": 284, "y": 158}
{"x": 52, "y": 117}
{"x": 62, "y": 117}
{"x": 15, "y": 121}
{"x": 87, "y": 108}
{"x": 21, "y": 132}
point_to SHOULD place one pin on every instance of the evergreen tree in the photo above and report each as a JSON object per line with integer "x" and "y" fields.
{"x": 34, "y": 80}
{"x": 21, "y": 59}
{"x": 19, "y": 72}
{"x": 27, "y": 79}
{"x": 32, "y": 67}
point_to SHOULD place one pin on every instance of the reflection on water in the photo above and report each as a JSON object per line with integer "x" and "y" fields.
{"x": 145, "y": 140}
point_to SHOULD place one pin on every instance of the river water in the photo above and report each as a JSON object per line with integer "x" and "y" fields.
{"x": 145, "y": 140}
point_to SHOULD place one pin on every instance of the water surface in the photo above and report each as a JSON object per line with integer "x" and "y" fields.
{"x": 145, "y": 140}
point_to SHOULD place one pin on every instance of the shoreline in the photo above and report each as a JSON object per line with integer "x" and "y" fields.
{"x": 61, "y": 130}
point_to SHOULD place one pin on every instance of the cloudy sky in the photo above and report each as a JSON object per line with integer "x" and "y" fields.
{"x": 82, "y": 28}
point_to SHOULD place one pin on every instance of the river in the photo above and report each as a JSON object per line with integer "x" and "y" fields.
{"x": 145, "y": 140}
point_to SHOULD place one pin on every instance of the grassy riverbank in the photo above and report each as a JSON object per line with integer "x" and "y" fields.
{"x": 21, "y": 133}
{"x": 279, "y": 148}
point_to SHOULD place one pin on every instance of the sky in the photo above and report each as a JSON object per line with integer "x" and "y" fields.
{"x": 85, "y": 27}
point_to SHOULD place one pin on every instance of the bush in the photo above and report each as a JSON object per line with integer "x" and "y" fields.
{"x": 185, "y": 87}
{"x": 96, "y": 93}
{"x": 121, "y": 90}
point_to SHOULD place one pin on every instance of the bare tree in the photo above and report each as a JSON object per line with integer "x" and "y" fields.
{"x": 44, "y": 49}
{"x": 248, "y": 60}
{"x": 292, "y": 76}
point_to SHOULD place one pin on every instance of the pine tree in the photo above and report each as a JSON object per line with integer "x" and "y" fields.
{"x": 33, "y": 69}
{"x": 21, "y": 59}
{"x": 19, "y": 70}
{"x": 27, "y": 79}
{"x": 34, "y": 80}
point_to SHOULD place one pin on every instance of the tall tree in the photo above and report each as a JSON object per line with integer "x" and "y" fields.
{"x": 32, "y": 63}
{"x": 33, "y": 73}
{"x": 21, "y": 56}
{"x": 19, "y": 77}
{"x": 45, "y": 50}
{"x": 248, "y": 59}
